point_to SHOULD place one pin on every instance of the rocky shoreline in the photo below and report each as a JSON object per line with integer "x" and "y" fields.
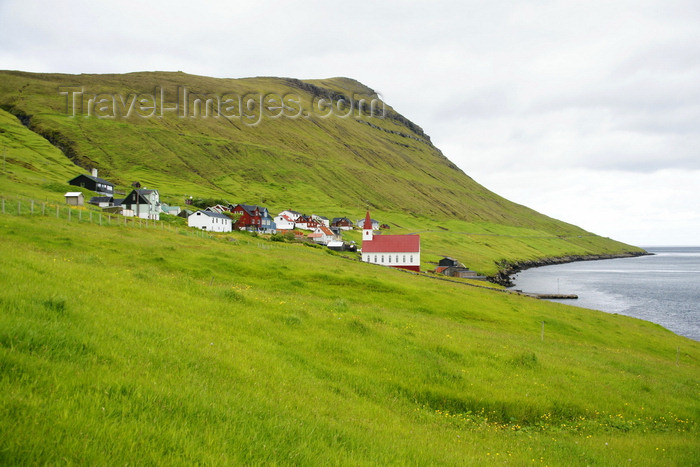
{"x": 508, "y": 269}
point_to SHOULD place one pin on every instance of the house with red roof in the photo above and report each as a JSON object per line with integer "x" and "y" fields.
{"x": 396, "y": 251}
{"x": 284, "y": 222}
{"x": 323, "y": 235}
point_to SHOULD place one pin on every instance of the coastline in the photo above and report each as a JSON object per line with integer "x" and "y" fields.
{"x": 508, "y": 269}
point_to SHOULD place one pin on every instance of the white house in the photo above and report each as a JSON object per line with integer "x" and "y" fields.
{"x": 284, "y": 222}
{"x": 321, "y": 220}
{"x": 293, "y": 215}
{"x": 210, "y": 221}
{"x": 323, "y": 235}
{"x": 397, "y": 251}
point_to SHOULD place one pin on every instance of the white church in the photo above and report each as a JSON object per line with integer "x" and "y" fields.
{"x": 396, "y": 251}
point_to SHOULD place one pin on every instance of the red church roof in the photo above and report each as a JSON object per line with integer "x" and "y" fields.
{"x": 368, "y": 222}
{"x": 392, "y": 244}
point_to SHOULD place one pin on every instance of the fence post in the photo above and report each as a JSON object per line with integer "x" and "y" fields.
{"x": 3, "y": 205}
{"x": 69, "y": 210}
{"x": 56, "y": 212}
{"x": 80, "y": 216}
{"x": 542, "y": 334}
{"x": 109, "y": 219}
{"x": 100, "y": 218}
{"x": 43, "y": 209}
{"x": 91, "y": 217}
{"x": 31, "y": 209}
{"x": 19, "y": 208}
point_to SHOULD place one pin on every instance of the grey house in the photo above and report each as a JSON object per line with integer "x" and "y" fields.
{"x": 142, "y": 203}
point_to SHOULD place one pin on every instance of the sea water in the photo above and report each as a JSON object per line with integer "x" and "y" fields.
{"x": 663, "y": 288}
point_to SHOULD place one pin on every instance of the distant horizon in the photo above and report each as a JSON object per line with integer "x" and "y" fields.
{"x": 646, "y": 247}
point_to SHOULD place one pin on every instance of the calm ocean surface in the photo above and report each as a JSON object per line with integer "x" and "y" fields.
{"x": 663, "y": 288}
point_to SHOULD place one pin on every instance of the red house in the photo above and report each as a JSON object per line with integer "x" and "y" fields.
{"x": 397, "y": 251}
{"x": 249, "y": 217}
{"x": 343, "y": 223}
{"x": 307, "y": 223}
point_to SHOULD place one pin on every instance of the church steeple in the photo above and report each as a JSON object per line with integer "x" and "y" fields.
{"x": 367, "y": 233}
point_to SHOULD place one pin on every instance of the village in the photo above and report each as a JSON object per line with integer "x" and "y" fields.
{"x": 395, "y": 251}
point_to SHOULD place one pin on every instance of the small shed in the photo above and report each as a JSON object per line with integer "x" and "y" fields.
{"x": 336, "y": 245}
{"x": 74, "y": 198}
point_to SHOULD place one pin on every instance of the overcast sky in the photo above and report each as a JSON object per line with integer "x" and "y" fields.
{"x": 587, "y": 111}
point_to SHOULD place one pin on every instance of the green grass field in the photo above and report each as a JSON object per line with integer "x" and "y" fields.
{"x": 140, "y": 345}
{"x": 151, "y": 343}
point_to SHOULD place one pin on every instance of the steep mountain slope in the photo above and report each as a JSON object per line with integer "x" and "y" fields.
{"x": 316, "y": 153}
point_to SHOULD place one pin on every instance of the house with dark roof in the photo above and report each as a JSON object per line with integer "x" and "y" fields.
{"x": 375, "y": 223}
{"x": 249, "y": 217}
{"x": 142, "y": 203}
{"x": 102, "y": 201}
{"x": 305, "y": 222}
{"x": 267, "y": 223}
{"x": 396, "y": 251}
{"x": 451, "y": 267}
{"x": 210, "y": 221}
{"x": 93, "y": 183}
{"x": 343, "y": 223}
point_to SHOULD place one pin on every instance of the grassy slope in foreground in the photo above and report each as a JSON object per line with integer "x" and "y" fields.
{"x": 127, "y": 345}
{"x": 330, "y": 166}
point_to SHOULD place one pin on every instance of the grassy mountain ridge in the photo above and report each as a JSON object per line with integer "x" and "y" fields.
{"x": 150, "y": 343}
{"x": 334, "y": 165}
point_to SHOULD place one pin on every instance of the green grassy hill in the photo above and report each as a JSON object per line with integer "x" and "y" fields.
{"x": 151, "y": 343}
{"x": 133, "y": 345}
{"x": 328, "y": 165}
